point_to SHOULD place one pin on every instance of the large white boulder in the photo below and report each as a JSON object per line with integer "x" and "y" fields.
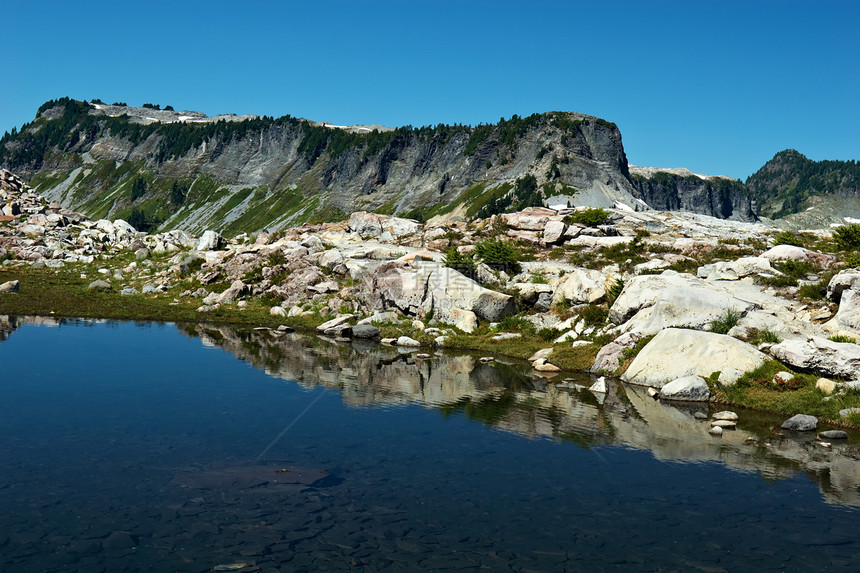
{"x": 841, "y": 359}
{"x": 847, "y": 319}
{"x": 210, "y": 241}
{"x": 530, "y": 219}
{"x": 676, "y": 352}
{"x": 735, "y": 270}
{"x": 845, "y": 280}
{"x": 580, "y": 286}
{"x": 793, "y": 253}
{"x": 553, "y": 232}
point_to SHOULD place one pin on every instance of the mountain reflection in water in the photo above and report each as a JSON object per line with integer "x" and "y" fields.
{"x": 512, "y": 397}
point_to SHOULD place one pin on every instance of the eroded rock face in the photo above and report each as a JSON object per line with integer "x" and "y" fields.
{"x": 819, "y": 355}
{"x": 675, "y": 353}
{"x": 736, "y": 270}
{"x": 849, "y": 279}
{"x": 418, "y": 288}
{"x": 847, "y": 319}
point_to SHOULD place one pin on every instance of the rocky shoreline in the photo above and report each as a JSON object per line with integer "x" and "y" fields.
{"x": 684, "y": 304}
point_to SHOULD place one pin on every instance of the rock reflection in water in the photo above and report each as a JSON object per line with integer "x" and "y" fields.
{"x": 513, "y": 398}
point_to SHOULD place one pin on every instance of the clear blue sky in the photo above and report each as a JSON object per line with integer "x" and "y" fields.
{"x": 715, "y": 86}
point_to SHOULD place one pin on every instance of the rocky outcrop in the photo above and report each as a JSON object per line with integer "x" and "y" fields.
{"x": 650, "y": 303}
{"x": 675, "y": 353}
{"x": 819, "y": 355}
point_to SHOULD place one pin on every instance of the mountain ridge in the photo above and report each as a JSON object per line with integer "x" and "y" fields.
{"x": 244, "y": 173}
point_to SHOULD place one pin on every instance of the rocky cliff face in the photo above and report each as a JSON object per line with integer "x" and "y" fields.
{"x": 167, "y": 169}
{"x": 682, "y": 190}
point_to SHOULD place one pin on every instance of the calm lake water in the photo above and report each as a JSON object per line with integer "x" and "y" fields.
{"x": 149, "y": 447}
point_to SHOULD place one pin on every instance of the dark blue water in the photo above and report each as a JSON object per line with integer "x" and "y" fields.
{"x": 137, "y": 448}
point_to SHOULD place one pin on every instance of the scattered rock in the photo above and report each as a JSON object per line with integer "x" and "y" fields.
{"x": 833, "y": 435}
{"x": 800, "y": 423}
{"x": 687, "y": 389}
{"x": 599, "y": 386}
{"x": 210, "y": 241}
{"x": 10, "y": 287}
{"x": 716, "y": 431}
{"x": 506, "y": 336}
{"x": 278, "y": 311}
{"x": 365, "y": 331}
{"x": 99, "y": 286}
{"x": 406, "y": 341}
{"x": 725, "y": 415}
{"x": 819, "y": 355}
{"x": 543, "y": 353}
{"x": 541, "y": 365}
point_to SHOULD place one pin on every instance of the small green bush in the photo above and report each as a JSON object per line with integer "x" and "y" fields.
{"x": 852, "y": 260}
{"x": 841, "y": 338}
{"x": 460, "y": 262}
{"x": 614, "y": 291}
{"x": 726, "y": 322}
{"x": 788, "y": 238}
{"x": 276, "y": 258}
{"x": 548, "y": 334}
{"x": 517, "y": 324}
{"x": 499, "y": 255}
{"x": 770, "y": 336}
{"x": 847, "y": 237}
{"x": 815, "y": 291}
{"x": 589, "y": 218}
{"x": 594, "y": 315}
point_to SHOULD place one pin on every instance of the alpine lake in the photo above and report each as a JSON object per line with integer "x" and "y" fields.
{"x": 199, "y": 447}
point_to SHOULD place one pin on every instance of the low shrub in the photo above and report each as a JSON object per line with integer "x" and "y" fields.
{"x": 726, "y": 322}
{"x": 499, "y": 255}
{"x": 594, "y": 315}
{"x": 460, "y": 262}
{"x": 815, "y": 291}
{"x": 788, "y": 238}
{"x": 841, "y": 338}
{"x": 589, "y": 218}
{"x": 847, "y": 237}
{"x": 614, "y": 291}
{"x": 517, "y": 324}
